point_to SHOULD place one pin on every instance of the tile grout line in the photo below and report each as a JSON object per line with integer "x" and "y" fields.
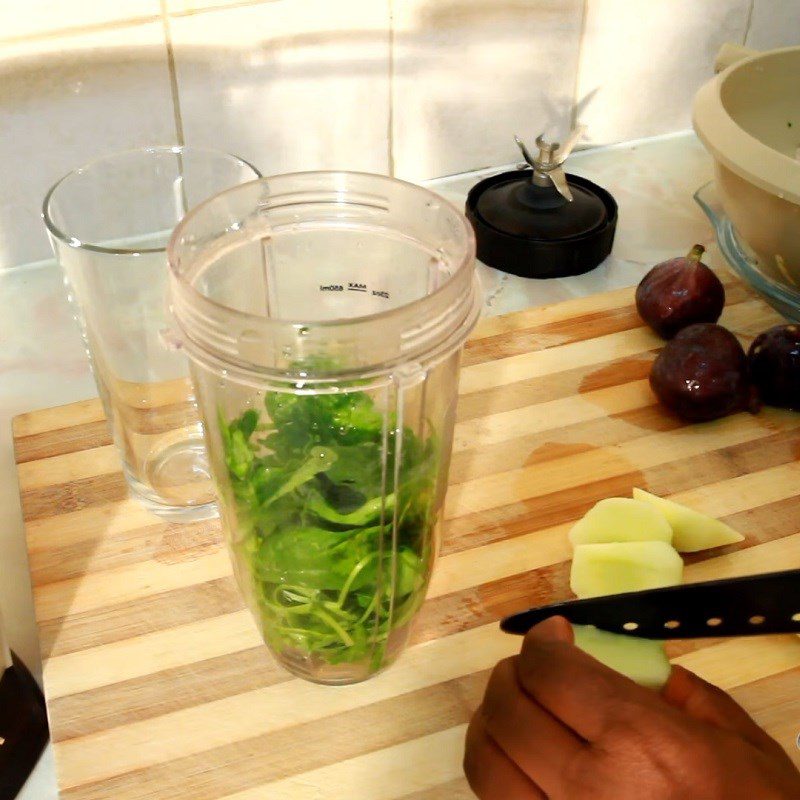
{"x": 581, "y": 37}
{"x": 748, "y": 22}
{"x": 191, "y": 12}
{"x": 79, "y": 30}
{"x": 173, "y": 76}
{"x": 390, "y": 132}
{"x": 584, "y": 149}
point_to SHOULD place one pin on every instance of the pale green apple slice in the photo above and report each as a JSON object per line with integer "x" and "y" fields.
{"x": 642, "y": 660}
{"x": 620, "y": 519}
{"x": 599, "y": 569}
{"x": 692, "y": 531}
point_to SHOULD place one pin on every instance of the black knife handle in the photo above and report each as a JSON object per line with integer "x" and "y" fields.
{"x": 746, "y": 606}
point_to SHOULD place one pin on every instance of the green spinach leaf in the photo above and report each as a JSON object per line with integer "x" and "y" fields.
{"x": 316, "y": 504}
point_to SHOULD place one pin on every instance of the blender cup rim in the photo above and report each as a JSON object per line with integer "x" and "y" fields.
{"x": 177, "y": 149}
{"x": 178, "y": 283}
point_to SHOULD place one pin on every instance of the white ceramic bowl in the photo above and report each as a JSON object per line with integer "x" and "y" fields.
{"x": 748, "y": 118}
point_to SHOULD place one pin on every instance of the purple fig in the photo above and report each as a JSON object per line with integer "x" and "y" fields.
{"x": 680, "y": 292}
{"x": 701, "y": 374}
{"x": 774, "y": 361}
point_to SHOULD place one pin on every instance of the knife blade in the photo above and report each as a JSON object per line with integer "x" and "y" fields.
{"x": 745, "y": 606}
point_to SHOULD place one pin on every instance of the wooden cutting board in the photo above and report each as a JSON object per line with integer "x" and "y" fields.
{"x": 157, "y": 684}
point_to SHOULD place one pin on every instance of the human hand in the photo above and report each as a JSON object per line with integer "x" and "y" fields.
{"x": 555, "y": 723}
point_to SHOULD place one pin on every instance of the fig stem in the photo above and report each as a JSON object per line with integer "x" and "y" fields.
{"x": 696, "y": 253}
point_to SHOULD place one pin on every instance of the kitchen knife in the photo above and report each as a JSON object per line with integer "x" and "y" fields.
{"x": 747, "y": 606}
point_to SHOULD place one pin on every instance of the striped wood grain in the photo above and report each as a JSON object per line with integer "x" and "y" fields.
{"x": 156, "y": 681}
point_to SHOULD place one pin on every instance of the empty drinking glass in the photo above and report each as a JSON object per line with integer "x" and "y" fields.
{"x": 109, "y": 223}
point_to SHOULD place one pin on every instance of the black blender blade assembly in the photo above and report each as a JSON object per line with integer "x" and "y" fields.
{"x": 540, "y": 222}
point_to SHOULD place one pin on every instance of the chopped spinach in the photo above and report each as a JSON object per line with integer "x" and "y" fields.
{"x": 334, "y": 536}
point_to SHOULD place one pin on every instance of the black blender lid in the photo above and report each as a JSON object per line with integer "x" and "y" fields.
{"x": 541, "y": 222}
{"x": 518, "y": 207}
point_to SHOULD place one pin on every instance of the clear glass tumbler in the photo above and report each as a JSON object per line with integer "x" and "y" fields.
{"x": 109, "y": 223}
{"x": 324, "y": 315}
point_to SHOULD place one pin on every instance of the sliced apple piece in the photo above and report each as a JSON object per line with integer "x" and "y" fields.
{"x": 599, "y": 569}
{"x": 642, "y": 660}
{"x": 620, "y": 519}
{"x": 692, "y": 531}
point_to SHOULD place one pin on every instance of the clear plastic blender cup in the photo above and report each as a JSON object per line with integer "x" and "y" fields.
{"x": 324, "y": 316}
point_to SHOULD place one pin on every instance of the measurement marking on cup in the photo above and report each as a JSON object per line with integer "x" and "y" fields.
{"x": 353, "y": 286}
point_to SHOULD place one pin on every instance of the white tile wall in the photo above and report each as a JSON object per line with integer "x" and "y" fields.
{"x": 424, "y": 87}
{"x": 64, "y": 101}
{"x": 641, "y": 63}
{"x": 469, "y": 74}
{"x": 290, "y": 84}
{"x": 774, "y": 23}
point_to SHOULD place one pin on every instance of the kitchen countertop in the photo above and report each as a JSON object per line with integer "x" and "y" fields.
{"x": 43, "y": 363}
